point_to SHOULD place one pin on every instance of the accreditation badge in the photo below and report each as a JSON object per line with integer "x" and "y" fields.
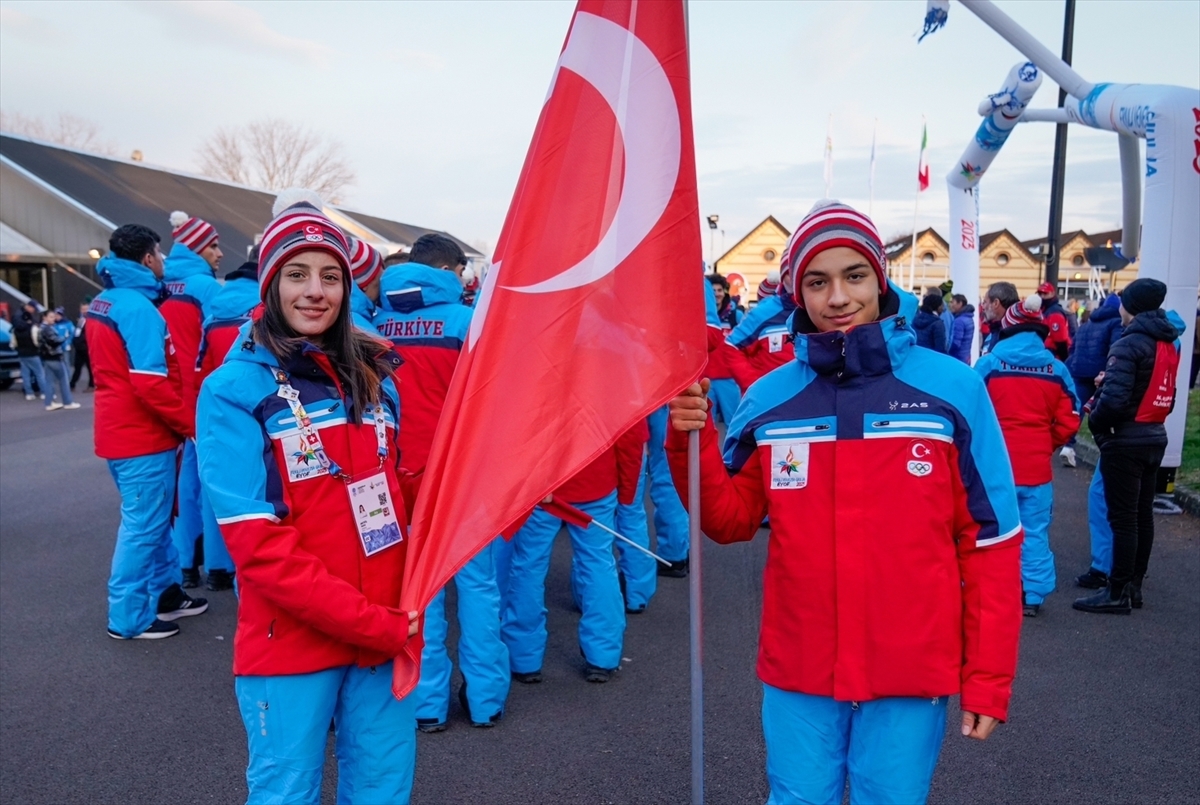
{"x": 789, "y": 465}
{"x": 374, "y": 512}
{"x": 775, "y": 342}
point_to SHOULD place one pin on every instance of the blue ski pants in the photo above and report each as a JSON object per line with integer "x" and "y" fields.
{"x": 670, "y": 514}
{"x": 189, "y": 524}
{"x": 287, "y": 724}
{"x": 593, "y": 579}
{"x": 482, "y": 655}
{"x": 1098, "y": 527}
{"x": 725, "y": 396}
{"x": 641, "y": 577}
{"x": 888, "y": 748}
{"x": 144, "y": 562}
{"x": 1036, "y": 506}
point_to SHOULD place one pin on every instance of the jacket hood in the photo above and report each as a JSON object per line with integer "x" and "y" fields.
{"x": 1108, "y": 310}
{"x": 360, "y": 303}
{"x": 117, "y": 272}
{"x": 182, "y": 263}
{"x": 1024, "y": 347}
{"x": 869, "y": 349}
{"x": 1155, "y": 324}
{"x": 968, "y": 310}
{"x": 412, "y": 286}
{"x": 235, "y": 299}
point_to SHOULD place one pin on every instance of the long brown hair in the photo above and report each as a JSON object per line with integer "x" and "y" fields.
{"x": 359, "y": 360}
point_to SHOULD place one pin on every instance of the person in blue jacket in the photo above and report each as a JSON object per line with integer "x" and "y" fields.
{"x": 189, "y": 274}
{"x": 1093, "y": 340}
{"x": 964, "y": 328}
{"x": 422, "y": 315}
{"x": 946, "y": 289}
{"x": 931, "y": 331}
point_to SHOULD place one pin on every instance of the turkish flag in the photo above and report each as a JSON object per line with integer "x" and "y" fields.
{"x": 592, "y": 315}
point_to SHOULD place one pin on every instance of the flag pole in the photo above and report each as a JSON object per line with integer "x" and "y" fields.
{"x": 695, "y": 619}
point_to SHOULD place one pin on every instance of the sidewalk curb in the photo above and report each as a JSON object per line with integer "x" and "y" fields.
{"x": 1187, "y": 499}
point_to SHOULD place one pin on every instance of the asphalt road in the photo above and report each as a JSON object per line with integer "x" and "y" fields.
{"x": 1106, "y": 709}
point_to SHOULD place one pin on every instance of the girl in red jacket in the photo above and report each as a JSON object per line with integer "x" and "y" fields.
{"x": 892, "y": 579}
{"x": 299, "y": 456}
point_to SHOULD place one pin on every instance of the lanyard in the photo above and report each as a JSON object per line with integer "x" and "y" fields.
{"x": 313, "y": 438}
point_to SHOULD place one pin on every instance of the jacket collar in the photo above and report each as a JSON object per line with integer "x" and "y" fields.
{"x": 1024, "y": 345}
{"x": 117, "y": 272}
{"x": 867, "y": 350}
{"x": 182, "y": 263}
{"x": 412, "y": 286}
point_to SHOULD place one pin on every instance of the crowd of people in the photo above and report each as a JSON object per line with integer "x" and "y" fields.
{"x": 52, "y": 353}
{"x": 290, "y": 411}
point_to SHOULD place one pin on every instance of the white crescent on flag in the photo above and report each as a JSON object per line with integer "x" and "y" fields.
{"x": 631, "y": 80}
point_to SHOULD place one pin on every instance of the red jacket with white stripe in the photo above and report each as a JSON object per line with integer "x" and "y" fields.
{"x": 894, "y": 560}
{"x": 139, "y": 407}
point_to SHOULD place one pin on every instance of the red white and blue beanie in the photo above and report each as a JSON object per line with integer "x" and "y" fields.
{"x": 300, "y": 227}
{"x": 769, "y": 286}
{"x": 1025, "y": 311}
{"x": 830, "y": 224}
{"x": 366, "y": 263}
{"x": 195, "y": 233}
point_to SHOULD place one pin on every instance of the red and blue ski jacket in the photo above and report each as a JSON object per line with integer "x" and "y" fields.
{"x": 1034, "y": 398}
{"x": 191, "y": 285}
{"x": 309, "y": 596}
{"x": 762, "y": 340}
{"x": 421, "y": 313}
{"x": 893, "y": 567}
{"x": 228, "y": 310}
{"x": 139, "y": 406}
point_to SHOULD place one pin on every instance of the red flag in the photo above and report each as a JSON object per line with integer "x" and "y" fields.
{"x": 592, "y": 315}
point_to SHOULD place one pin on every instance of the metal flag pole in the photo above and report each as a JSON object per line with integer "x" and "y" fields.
{"x": 695, "y": 619}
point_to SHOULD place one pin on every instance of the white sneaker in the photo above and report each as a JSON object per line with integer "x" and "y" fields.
{"x": 54, "y": 406}
{"x": 30, "y": 397}
{"x": 71, "y": 406}
{"x": 1068, "y": 456}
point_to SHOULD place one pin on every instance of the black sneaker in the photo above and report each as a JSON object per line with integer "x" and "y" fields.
{"x": 191, "y": 578}
{"x": 597, "y": 675}
{"x": 531, "y": 678}
{"x": 1027, "y": 609}
{"x": 1092, "y": 580}
{"x": 677, "y": 570}
{"x": 174, "y": 604}
{"x": 219, "y": 580}
{"x": 430, "y": 725}
{"x": 1106, "y": 602}
{"x": 157, "y": 631}
{"x": 635, "y": 610}
{"x": 466, "y": 706}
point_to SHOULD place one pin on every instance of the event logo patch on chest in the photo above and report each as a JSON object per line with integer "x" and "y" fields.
{"x": 789, "y": 465}
{"x": 302, "y": 460}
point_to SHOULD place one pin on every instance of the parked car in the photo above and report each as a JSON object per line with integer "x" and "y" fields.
{"x": 10, "y": 367}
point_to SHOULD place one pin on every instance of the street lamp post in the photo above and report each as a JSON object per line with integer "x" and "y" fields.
{"x": 712, "y": 234}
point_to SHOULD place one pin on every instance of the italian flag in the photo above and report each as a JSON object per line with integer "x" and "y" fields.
{"x": 922, "y": 165}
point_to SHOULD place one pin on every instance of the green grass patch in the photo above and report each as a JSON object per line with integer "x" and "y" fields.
{"x": 1189, "y": 468}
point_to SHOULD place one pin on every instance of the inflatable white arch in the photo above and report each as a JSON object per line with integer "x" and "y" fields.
{"x": 1168, "y": 119}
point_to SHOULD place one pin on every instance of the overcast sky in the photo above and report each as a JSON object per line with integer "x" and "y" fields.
{"x": 435, "y": 102}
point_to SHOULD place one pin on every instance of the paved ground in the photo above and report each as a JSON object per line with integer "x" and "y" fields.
{"x": 1107, "y": 710}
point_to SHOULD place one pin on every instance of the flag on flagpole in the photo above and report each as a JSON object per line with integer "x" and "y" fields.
{"x": 592, "y": 315}
{"x": 923, "y": 165}
{"x": 829, "y": 158}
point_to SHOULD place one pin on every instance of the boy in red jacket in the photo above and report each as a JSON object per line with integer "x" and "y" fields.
{"x": 1035, "y": 401}
{"x": 893, "y": 574}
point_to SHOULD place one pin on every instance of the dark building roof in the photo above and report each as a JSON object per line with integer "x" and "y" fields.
{"x": 402, "y": 233}
{"x": 899, "y": 245}
{"x": 129, "y": 192}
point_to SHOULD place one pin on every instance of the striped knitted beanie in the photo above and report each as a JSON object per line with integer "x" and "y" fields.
{"x": 829, "y": 224}
{"x": 366, "y": 263}
{"x": 769, "y": 286}
{"x": 195, "y": 233}
{"x": 1026, "y": 311}
{"x": 299, "y": 228}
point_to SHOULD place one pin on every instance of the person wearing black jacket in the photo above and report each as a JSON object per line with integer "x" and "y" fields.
{"x": 79, "y": 347}
{"x": 1136, "y": 394}
{"x": 25, "y": 341}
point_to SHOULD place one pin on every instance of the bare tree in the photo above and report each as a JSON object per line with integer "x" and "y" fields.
{"x": 69, "y": 130}
{"x": 273, "y": 154}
